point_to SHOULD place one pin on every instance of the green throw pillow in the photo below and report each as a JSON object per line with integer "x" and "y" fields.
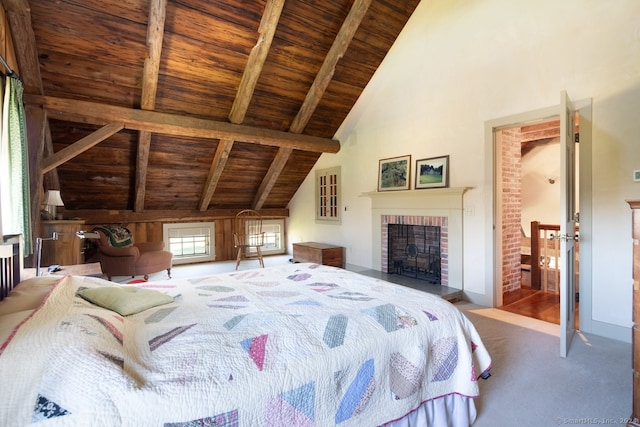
{"x": 125, "y": 300}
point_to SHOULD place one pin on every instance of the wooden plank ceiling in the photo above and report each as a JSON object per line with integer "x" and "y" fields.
{"x": 194, "y": 105}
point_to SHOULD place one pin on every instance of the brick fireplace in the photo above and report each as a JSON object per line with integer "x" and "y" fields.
{"x": 441, "y": 207}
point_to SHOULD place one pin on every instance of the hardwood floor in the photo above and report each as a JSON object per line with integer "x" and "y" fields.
{"x": 536, "y": 304}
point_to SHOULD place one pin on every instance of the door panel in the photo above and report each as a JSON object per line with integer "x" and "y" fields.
{"x": 567, "y": 224}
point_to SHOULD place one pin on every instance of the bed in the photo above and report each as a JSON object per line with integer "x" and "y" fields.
{"x": 295, "y": 345}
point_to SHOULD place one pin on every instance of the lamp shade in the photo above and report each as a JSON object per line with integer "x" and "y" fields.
{"x": 52, "y": 198}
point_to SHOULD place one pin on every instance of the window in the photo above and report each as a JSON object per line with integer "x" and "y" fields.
{"x": 328, "y": 195}
{"x": 274, "y": 237}
{"x": 190, "y": 242}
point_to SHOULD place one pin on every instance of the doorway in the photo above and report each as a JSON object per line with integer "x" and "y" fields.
{"x": 530, "y": 172}
{"x": 504, "y": 263}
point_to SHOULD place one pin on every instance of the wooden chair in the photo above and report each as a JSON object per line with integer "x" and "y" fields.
{"x": 248, "y": 235}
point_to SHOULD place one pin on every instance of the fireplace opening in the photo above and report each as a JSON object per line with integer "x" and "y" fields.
{"x": 414, "y": 251}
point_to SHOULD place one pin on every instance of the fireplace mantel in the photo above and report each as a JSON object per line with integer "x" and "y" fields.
{"x": 434, "y": 202}
{"x": 421, "y": 192}
{"x": 445, "y": 198}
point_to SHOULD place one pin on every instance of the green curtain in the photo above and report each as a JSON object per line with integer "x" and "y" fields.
{"x": 15, "y": 135}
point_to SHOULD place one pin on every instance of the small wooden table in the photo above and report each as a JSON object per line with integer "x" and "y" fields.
{"x": 320, "y": 253}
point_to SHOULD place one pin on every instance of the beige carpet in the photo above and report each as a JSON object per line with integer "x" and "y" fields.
{"x": 512, "y": 318}
{"x": 531, "y": 385}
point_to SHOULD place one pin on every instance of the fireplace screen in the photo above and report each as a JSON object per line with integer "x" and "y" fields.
{"x": 414, "y": 251}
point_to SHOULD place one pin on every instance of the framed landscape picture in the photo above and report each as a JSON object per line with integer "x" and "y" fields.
{"x": 394, "y": 173}
{"x": 432, "y": 173}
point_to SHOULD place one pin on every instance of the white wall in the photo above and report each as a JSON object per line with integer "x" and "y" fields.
{"x": 540, "y": 198}
{"x": 458, "y": 64}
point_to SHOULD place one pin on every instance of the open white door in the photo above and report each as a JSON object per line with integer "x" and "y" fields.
{"x": 568, "y": 218}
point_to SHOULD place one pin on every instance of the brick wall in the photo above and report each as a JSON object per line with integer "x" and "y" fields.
{"x": 511, "y": 205}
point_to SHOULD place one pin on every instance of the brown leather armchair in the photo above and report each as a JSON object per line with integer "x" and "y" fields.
{"x": 120, "y": 256}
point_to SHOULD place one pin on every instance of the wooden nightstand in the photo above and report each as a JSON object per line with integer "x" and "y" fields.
{"x": 67, "y": 250}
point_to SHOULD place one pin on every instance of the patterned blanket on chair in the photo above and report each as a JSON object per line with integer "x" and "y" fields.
{"x": 119, "y": 235}
{"x": 294, "y": 345}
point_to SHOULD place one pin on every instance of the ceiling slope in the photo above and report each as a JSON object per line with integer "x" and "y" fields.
{"x": 194, "y": 105}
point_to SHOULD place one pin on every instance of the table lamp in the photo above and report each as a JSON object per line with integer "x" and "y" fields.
{"x": 52, "y": 200}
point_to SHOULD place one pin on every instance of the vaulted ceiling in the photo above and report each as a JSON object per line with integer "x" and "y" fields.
{"x": 194, "y": 104}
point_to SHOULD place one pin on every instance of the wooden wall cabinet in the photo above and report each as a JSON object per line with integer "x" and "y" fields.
{"x": 635, "y": 415}
{"x": 320, "y": 253}
{"x": 67, "y": 250}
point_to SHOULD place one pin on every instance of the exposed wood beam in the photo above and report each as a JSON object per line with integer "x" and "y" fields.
{"x": 217, "y": 166}
{"x": 173, "y": 124}
{"x": 142, "y": 165}
{"x": 16, "y": 6}
{"x": 315, "y": 94}
{"x": 155, "y": 36}
{"x": 258, "y": 55}
{"x": 252, "y": 72}
{"x": 79, "y": 146}
{"x": 51, "y": 179}
{"x": 19, "y": 15}
{"x": 36, "y": 118}
{"x": 324, "y": 76}
{"x": 106, "y": 216}
{"x": 271, "y": 177}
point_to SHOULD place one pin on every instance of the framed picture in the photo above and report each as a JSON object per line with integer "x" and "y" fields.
{"x": 394, "y": 173}
{"x": 432, "y": 173}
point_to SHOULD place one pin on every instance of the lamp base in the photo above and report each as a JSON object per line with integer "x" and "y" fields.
{"x": 45, "y": 215}
{"x": 51, "y": 210}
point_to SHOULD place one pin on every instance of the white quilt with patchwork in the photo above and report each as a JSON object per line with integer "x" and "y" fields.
{"x": 293, "y": 345}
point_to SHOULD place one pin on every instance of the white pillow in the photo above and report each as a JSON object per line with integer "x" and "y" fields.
{"x": 125, "y": 300}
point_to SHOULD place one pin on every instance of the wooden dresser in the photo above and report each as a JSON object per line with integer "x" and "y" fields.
{"x": 320, "y": 253}
{"x": 635, "y": 415}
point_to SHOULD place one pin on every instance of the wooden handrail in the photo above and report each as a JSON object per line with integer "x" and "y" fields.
{"x": 535, "y": 255}
{"x": 536, "y": 270}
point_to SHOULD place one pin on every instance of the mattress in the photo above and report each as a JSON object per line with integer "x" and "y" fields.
{"x": 296, "y": 345}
